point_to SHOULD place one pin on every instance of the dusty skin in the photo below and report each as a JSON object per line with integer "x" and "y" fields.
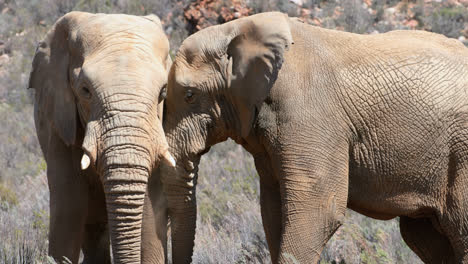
{"x": 99, "y": 82}
{"x": 375, "y": 123}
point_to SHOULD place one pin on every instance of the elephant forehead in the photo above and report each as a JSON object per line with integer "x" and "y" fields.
{"x": 112, "y": 23}
{"x": 120, "y": 30}
{"x": 192, "y": 75}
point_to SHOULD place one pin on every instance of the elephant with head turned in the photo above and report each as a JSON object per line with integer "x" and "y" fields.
{"x": 100, "y": 81}
{"x": 334, "y": 120}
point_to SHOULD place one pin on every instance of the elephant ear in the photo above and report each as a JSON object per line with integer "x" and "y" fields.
{"x": 168, "y": 65}
{"x": 255, "y": 55}
{"x": 55, "y": 101}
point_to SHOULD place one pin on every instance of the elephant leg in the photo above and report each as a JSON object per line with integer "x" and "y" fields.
{"x": 96, "y": 244}
{"x": 154, "y": 229}
{"x": 455, "y": 228}
{"x": 421, "y": 236}
{"x": 453, "y": 220}
{"x": 68, "y": 202}
{"x": 270, "y": 204}
{"x": 66, "y": 228}
{"x": 314, "y": 192}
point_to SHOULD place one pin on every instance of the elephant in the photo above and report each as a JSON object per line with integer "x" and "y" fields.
{"x": 99, "y": 83}
{"x": 333, "y": 120}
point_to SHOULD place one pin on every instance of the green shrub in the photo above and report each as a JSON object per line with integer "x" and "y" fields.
{"x": 449, "y": 21}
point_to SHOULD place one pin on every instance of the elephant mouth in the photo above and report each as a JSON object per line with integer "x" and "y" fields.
{"x": 194, "y": 158}
{"x": 183, "y": 175}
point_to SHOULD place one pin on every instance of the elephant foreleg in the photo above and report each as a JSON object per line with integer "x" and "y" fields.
{"x": 66, "y": 230}
{"x": 96, "y": 245}
{"x": 454, "y": 218}
{"x": 421, "y": 236}
{"x": 314, "y": 191}
{"x": 68, "y": 203}
{"x": 154, "y": 230}
{"x": 270, "y": 204}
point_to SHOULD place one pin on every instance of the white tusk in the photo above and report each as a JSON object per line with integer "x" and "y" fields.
{"x": 85, "y": 161}
{"x": 168, "y": 159}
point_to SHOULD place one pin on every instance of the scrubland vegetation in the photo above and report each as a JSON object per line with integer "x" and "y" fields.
{"x": 229, "y": 223}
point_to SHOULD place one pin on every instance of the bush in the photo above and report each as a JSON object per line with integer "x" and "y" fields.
{"x": 8, "y": 197}
{"x": 24, "y": 227}
{"x": 229, "y": 228}
{"x": 449, "y": 21}
{"x": 356, "y": 17}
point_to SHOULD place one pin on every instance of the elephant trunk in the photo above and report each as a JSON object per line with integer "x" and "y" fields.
{"x": 124, "y": 148}
{"x": 124, "y": 200}
{"x": 182, "y": 208}
{"x": 126, "y": 166}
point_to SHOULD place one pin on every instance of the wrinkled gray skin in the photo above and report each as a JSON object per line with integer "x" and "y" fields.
{"x": 99, "y": 84}
{"x": 333, "y": 120}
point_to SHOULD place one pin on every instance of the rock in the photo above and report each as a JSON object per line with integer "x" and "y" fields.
{"x": 204, "y": 13}
{"x": 413, "y": 23}
{"x": 390, "y": 11}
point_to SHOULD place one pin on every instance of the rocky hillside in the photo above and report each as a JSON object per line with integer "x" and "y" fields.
{"x": 366, "y": 17}
{"x": 229, "y": 228}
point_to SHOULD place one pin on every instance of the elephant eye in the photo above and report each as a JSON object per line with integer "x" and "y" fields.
{"x": 189, "y": 96}
{"x": 163, "y": 93}
{"x": 85, "y": 92}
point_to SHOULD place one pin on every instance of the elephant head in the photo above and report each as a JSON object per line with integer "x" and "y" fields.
{"x": 219, "y": 79}
{"x": 100, "y": 81}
